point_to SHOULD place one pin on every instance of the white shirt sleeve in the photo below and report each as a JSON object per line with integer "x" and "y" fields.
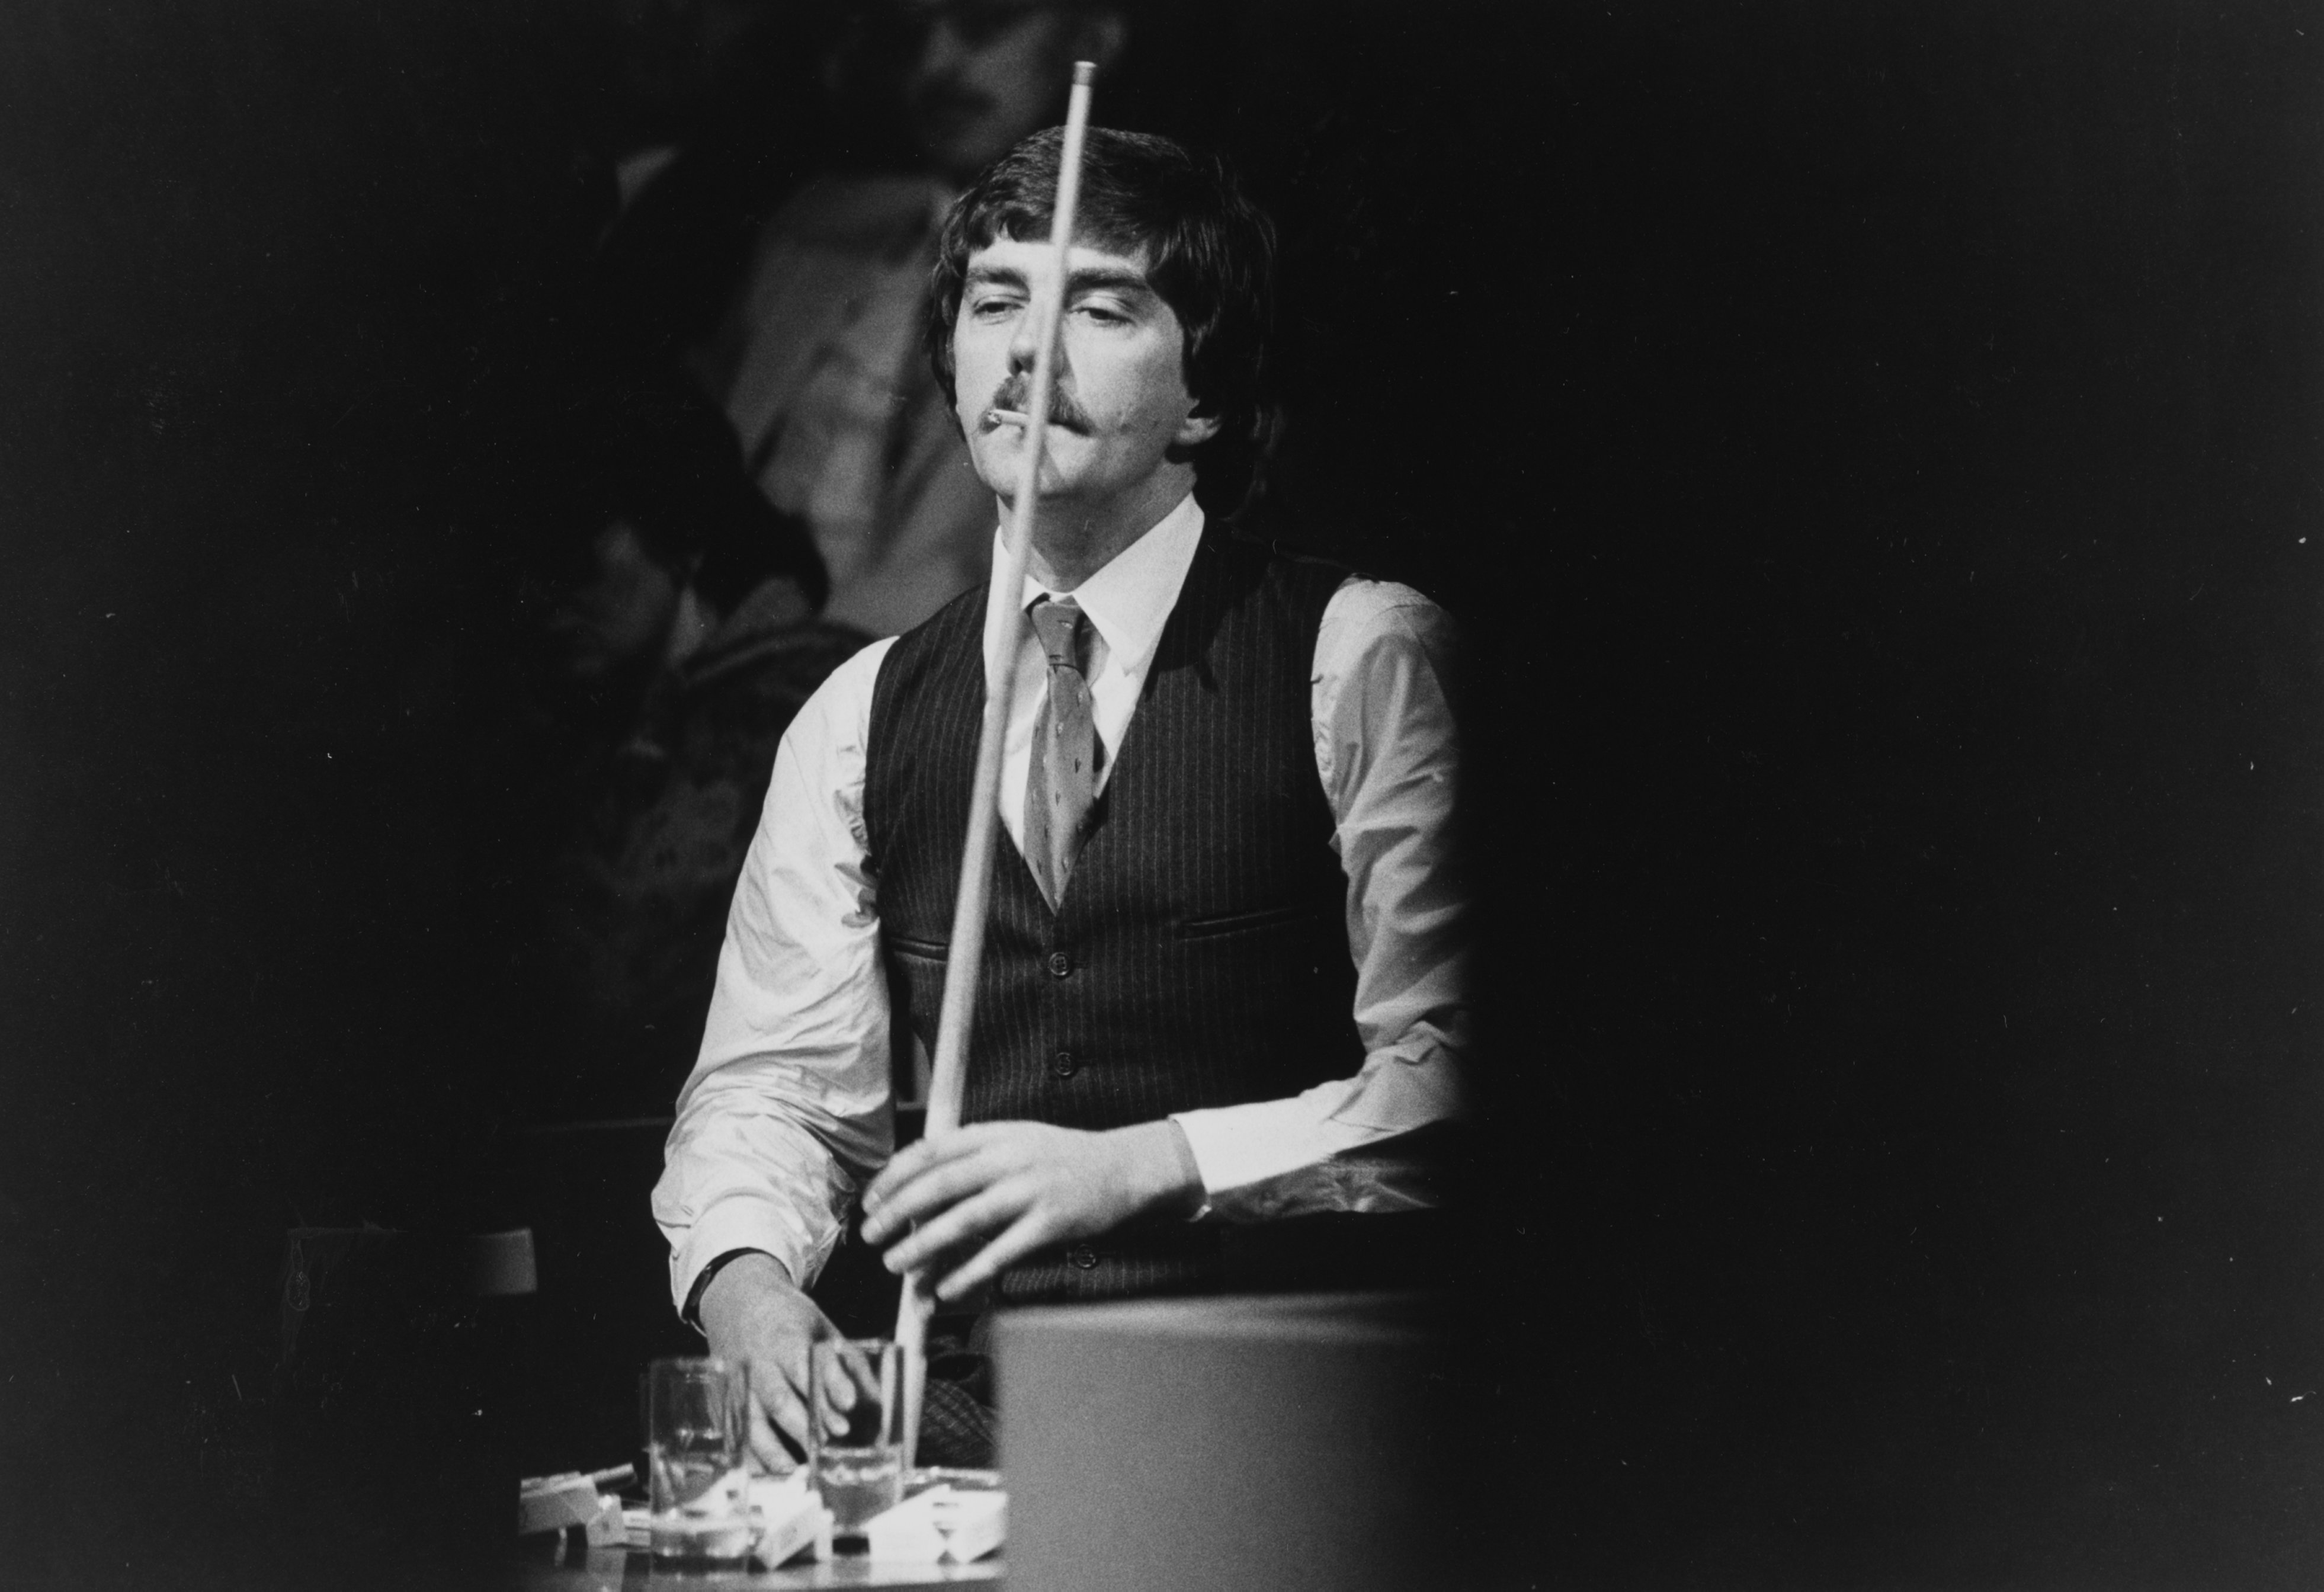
{"x": 1387, "y": 752}
{"x": 788, "y": 1110}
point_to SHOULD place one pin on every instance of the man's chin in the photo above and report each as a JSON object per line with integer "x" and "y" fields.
{"x": 995, "y": 452}
{"x": 999, "y": 454}
{"x": 1053, "y": 488}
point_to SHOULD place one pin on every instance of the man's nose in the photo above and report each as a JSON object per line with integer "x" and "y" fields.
{"x": 1025, "y": 338}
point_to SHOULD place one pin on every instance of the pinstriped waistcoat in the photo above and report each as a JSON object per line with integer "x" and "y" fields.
{"x": 1199, "y": 956}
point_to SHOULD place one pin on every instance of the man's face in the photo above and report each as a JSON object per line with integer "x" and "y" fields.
{"x": 981, "y": 74}
{"x": 1120, "y": 401}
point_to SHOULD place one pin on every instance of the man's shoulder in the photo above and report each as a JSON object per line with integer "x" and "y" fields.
{"x": 1270, "y": 545}
{"x": 1370, "y": 601}
{"x": 1236, "y": 565}
{"x": 1355, "y": 593}
{"x": 1372, "y": 627}
{"x": 958, "y": 622}
{"x": 836, "y": 713}
{"x": 1353, "y": 613}
{"x": 935, "y": 668}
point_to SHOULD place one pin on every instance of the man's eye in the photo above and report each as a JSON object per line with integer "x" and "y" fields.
{"x": 992, "y": 307}
{"x": 1104, "y": 314}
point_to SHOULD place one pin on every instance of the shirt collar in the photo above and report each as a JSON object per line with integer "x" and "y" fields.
{"x": 1130, "y": 598}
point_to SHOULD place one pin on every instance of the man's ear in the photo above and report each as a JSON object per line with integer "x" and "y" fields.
{"x": 1195, "y": 429}
{"x": 1100, "y": 38}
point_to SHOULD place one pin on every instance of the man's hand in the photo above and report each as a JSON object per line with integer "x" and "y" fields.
{"x": 752, "y": 1312}
{"x": 1027, "y": 1182}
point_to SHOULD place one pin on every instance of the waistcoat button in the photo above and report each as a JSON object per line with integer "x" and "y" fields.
{"x": 1065, "y": 1065}
{"x": 1084, "y": 1257}
{"x": 1060, "y": 964}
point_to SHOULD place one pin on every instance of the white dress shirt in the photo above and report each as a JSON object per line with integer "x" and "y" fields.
{"x": 787, "y": 1114}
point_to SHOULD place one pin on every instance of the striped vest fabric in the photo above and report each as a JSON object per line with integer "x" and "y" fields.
{"x": 1199, "y": 956}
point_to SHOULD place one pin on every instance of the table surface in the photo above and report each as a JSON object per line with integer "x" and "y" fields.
{"x": 610, "y": 1570}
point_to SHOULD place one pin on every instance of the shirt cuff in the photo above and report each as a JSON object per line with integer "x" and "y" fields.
{"x": 741, "y": 1223}
{"x": 1191, "y": 1170}
{"x": 1337, "y": 1147}
{"x": 1233, "y": 1145}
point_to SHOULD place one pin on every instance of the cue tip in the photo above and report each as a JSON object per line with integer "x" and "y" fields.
{"x": 1084, "y": 73}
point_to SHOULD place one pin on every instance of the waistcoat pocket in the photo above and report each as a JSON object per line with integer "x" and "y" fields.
{"x": 1297, "y": 912}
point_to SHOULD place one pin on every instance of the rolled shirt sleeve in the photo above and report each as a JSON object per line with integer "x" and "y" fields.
{"x": 788, "y": 1109}
{"x": 1387, "y": 752}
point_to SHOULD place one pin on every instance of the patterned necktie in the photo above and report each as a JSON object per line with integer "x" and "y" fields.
{"x": 1063, "y": 781}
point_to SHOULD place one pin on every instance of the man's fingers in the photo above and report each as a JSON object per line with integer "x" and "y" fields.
{"x": 766, "y": 1447}
{"x": 933, "y": 1193}
{"x": 966, "y": 1220}
{"x": 903, "y": 1167}
{"x": 834, "y": 1413}
{"x": 847, "y": 1381}
{"x": 918, "y": 1158}
{"x": 905, "y": 1188}
{"x": 1026, "y": 1235}
{"x": 774, "y": 1396}
{"x": 920, "y": 1155}
{"x": 854, "y": 1379}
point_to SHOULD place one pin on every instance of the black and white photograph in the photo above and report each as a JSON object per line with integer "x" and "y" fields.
{"x": 1112, "y": 795}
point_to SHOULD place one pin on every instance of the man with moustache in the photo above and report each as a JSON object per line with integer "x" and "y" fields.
{"x": 1222, "y": 977}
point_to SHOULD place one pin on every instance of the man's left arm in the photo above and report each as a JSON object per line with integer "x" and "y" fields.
{"x": 1388, "y": 751}
{"x": 1388, "y": 754}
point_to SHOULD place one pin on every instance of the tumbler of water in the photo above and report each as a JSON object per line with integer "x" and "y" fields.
{"x": 697, "y": 1431}
{"x": 856, "y": 1462}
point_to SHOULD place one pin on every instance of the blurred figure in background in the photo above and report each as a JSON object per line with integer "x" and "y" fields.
{"x": 678, "y": 634}
{"x": 831, "y": 175}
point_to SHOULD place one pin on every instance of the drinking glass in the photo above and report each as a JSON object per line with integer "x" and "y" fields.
{"x": 857, "y": 1464}
{"x": 697, "y": 1429}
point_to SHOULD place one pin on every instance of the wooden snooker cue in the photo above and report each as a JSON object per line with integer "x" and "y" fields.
{"x": 1004, "y": 630}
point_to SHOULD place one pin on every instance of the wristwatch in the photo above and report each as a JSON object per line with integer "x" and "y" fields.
{"x": 692, "y": 1314}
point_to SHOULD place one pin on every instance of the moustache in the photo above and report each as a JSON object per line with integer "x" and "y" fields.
{"x": 1011, "y": 398}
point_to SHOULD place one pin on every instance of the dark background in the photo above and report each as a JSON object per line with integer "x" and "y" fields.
{"x": 1876, "y": 451}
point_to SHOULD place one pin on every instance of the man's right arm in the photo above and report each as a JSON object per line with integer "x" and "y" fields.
{"x": 788, "y": 1109}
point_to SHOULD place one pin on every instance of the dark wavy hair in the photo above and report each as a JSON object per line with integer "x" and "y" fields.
{"x": 1209, "y": 253}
